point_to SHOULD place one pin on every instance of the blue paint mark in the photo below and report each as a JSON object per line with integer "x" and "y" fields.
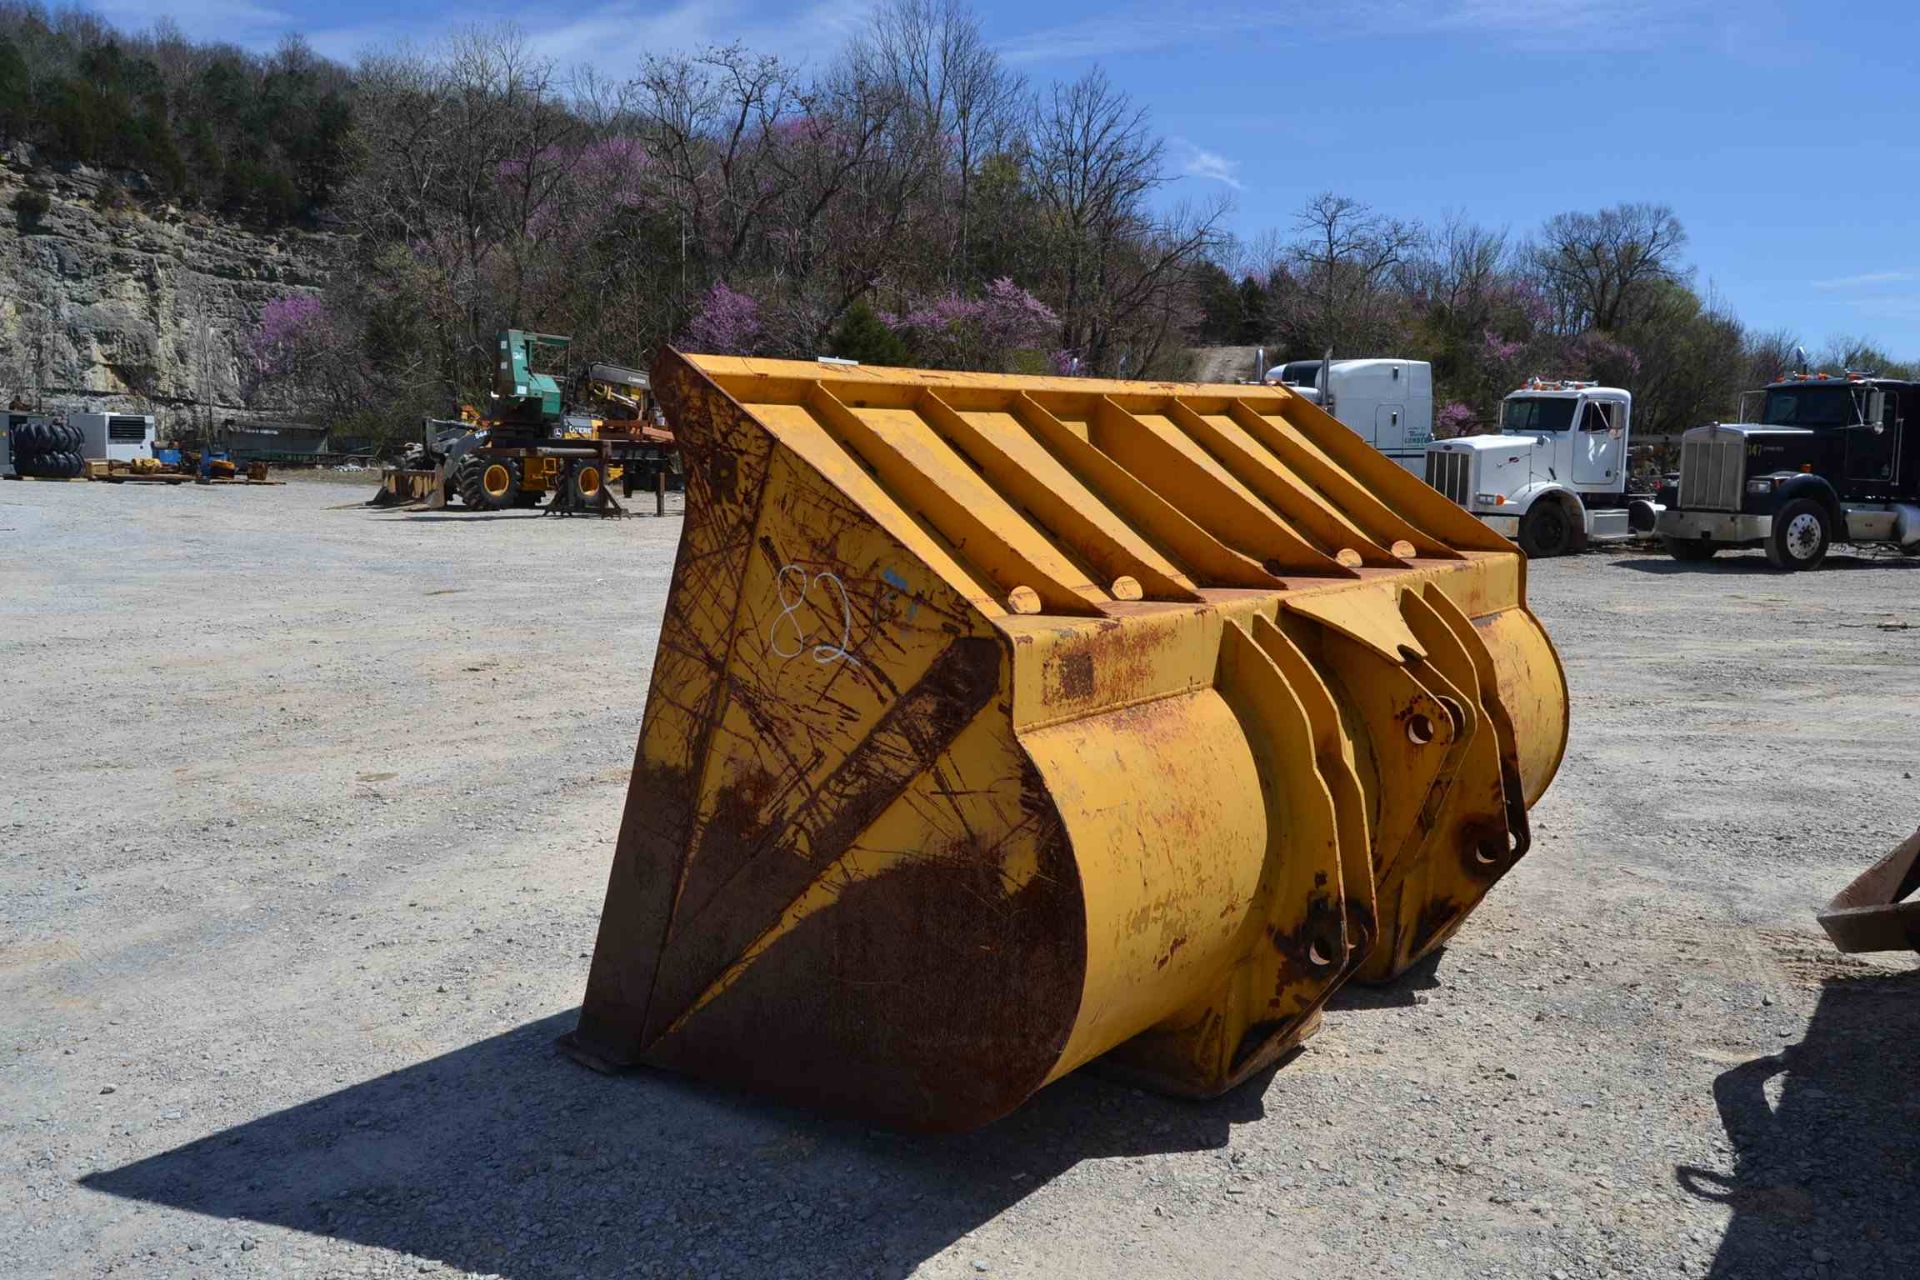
{"x": 899, "y": 584}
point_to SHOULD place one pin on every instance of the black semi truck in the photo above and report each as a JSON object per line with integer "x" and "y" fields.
{"x": 1818, "y": 459}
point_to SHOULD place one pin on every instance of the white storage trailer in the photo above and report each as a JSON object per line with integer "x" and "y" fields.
{"x": 116, "y": 437}
{"x": 1388, "y": 402}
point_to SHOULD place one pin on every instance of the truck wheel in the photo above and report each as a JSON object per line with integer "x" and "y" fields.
{"x": 1546, "y": 531}
{"x": 1799, "y": 537}
{"x": 487, "y": 484}
{"x": 1682, "y": 549}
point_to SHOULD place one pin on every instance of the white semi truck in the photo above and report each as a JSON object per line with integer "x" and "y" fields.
{"x": 1388, "y": 402}
{"x": 1554, "y": 477}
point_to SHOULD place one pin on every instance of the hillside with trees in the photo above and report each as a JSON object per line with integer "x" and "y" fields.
{"x": 263, "y": 139}
{"x": 911, "y": 200}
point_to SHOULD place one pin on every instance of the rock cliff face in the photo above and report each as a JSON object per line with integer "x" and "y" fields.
{"x": 105, "y": 305}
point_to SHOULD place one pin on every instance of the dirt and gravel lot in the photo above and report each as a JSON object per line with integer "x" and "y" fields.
{"x": 305, "y": 814}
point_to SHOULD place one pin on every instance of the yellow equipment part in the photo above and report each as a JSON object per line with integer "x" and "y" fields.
{"x": 497, "y": 480}
{"x": 1002, "y": 723}
{"x": 539, "y": 473}
{"x": 400, "y": 486}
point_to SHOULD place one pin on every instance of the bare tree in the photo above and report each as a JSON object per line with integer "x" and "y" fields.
{"x": 1854, "y": 352}
{"x": 465, "y": 157}
{"x": 1347, "y": 254}
{"x": 1093, "y": 163}
{"x": 1769, "y": 356}
{"x": 957, "y": 90}
{"x": 1459, "y": 269}
{"x": 708, "y": 122}
{"x": 1599, "y": 263}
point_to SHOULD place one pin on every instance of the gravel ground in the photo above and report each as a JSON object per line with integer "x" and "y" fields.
{"x": 306, "y": 818}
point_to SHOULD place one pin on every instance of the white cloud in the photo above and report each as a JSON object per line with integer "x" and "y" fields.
{"x": 1867, "y": 281}
{"x": 1592, "y": 23}
{"x": 615, "y": 34}
{"x": 240, "y": 22}
{"x": 1567, "y": 24}
{"x": 618, "y": 35}
{"x": 612, "y": 36}
{"x": 1120, "y": 32}
{"x": 1209, "y": 166}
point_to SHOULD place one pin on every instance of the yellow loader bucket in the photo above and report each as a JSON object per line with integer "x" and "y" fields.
{"x": 400, "y": 486}
{"x": 1002, "y": 723}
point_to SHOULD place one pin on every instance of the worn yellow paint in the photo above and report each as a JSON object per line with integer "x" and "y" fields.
{"x": 1001, "y": 723}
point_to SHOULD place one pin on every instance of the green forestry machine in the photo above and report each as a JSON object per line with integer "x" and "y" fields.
{"x": 536, "y": 443}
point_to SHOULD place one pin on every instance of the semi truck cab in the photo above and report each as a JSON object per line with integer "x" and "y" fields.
{"x": 1554, "y": 476}
{"x": 1387, "y": 402}
{"x": 1817, "y": 459}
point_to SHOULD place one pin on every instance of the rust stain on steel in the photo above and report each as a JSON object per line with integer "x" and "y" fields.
{"x": 769, "y": 874}
{"x": 658, "y": 820}
{"x": 1437, "y": 916}
{"x": 1315, "y": 947}
{"x": 911, "y": 1014}
{"x": 1481, "y": 840}
{"x": 1363, "y": 925}
{"x": 1076, "y": 676}
{"x": 921, "y": 818}
{"x": 1875, "y": 912}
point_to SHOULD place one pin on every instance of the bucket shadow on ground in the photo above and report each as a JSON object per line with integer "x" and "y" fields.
{"x": 1422, "y": 975}
{"x": 506, "y": 1158}
{"x": 1826, "y": 1138}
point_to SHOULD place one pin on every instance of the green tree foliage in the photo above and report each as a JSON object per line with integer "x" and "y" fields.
{"x": 863, "y": 336}
{"x": 260, "y": 138}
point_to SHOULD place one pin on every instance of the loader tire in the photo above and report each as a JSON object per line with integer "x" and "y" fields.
{"x": 47, "y": 437}
{"x": 57, "y": 464}
{"x": 586, "y": 485}
{"x": 487, "y": 484}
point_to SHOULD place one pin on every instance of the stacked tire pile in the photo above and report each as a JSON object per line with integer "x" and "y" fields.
{"x": 48, "y": 451}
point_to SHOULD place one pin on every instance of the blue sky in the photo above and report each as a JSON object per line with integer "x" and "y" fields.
{"x": 1783, "y": 133}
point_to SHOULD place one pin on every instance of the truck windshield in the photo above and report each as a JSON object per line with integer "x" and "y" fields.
{"x": 1810, "y": 407}
{"x": 1527, "y": 416}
